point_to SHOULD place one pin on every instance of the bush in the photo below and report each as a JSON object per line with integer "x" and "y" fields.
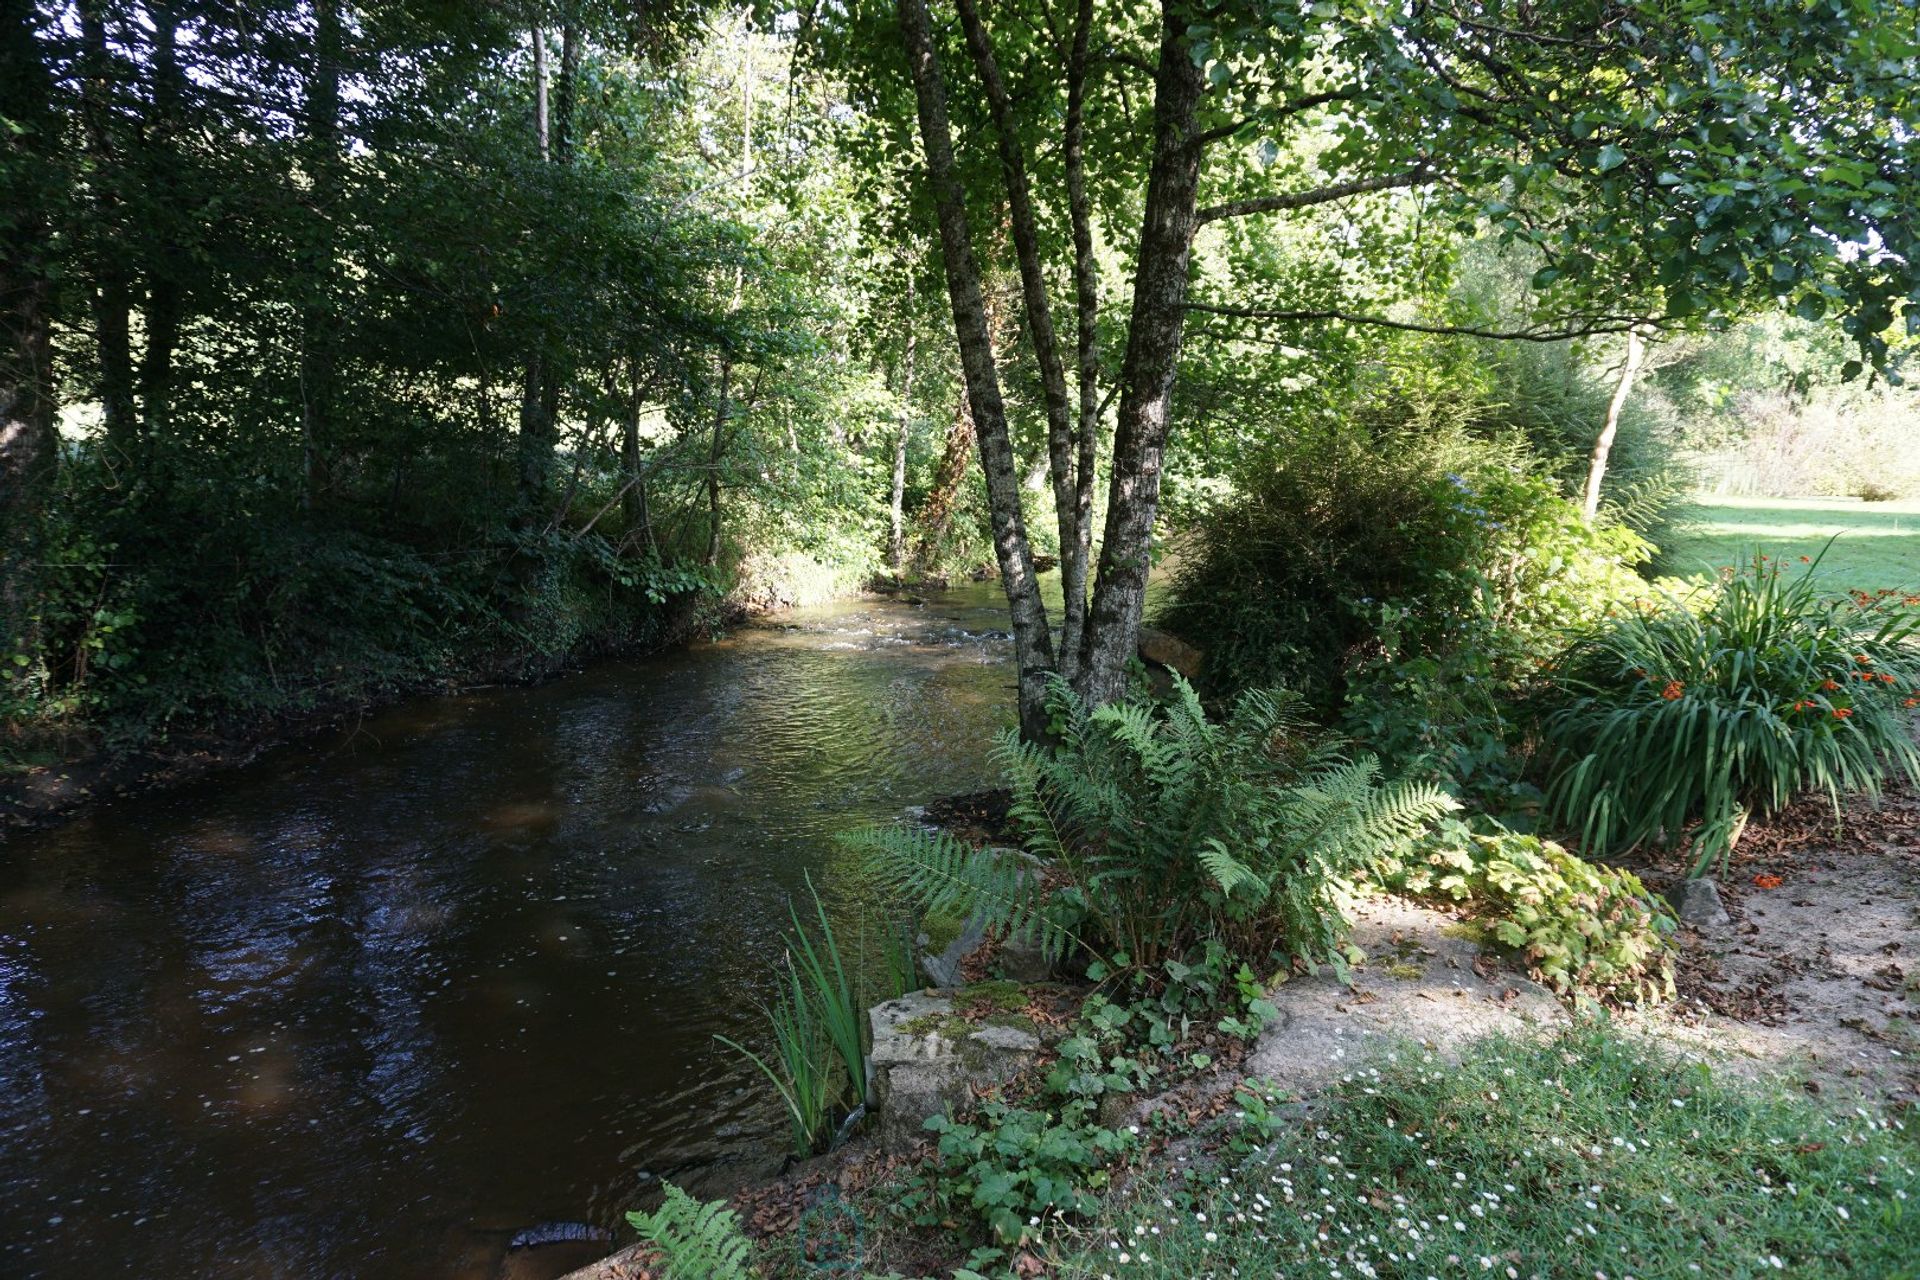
{"x": 1355, "y": 550}
{"x": 1163, "y": 830}
{"x": 1585, "y": 930}
{"x": 1675, "y": 714}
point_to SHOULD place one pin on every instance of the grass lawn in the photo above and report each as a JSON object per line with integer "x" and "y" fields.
{"x": 1586, "y": 1156}
{"x": 1878, "y": 546}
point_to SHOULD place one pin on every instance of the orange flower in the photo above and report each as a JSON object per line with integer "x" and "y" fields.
{"x": 1911, "y": 702}
{"x": 1802, "y": 705}
{"x": 1829, "y": 685}
{"x": 1765, "y": 881}
{"x": 1841, "y": 713}
{"x": 1863, "y": 659}
{"x": 1887, "y": 678}
{"x": 1673, "y": 690}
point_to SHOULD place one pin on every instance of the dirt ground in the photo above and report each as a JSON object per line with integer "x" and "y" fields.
{"x": 1818, "y": 974}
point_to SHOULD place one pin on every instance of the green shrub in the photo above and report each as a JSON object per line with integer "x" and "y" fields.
{"x": 1011, "y": 1164}
{"x": 1678, "y": 713}
{"x": 1585, "y": 930}
{"x": 1164, "y": 830}
{"x": 1350, "y": 552}
{"x": 818, "y": 1021}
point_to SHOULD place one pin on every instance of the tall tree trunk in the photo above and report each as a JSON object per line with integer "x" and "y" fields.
{"x": 28, "y": 443}
{"x": 1597, "y": 464}
{"x": 1146, "y": 376}
{"x": 540, "y": 393}
{"x": 567, "y": 93}
{"x": 1032, "y": 639}
{"x": 318, "y": 340}
{"x": 896, "y": 507}
{"x": 166, "y": 294}
{"x": 716, "y": 449}
{"x": 540, "y": 92}
{"x": 112, "y": 293}
{"x": 1039, "y": 313}
{"x": 1086, "y": 286}
{"x": 633, "y": 497}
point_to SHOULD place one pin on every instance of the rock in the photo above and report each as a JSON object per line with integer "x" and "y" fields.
{"x": 943, "y": 968}
{"x": 1697, "y": 903}
{"x": 1021, "y": 960}
{"x": 1170, "y": 651}
{"x": 928, "y": 1059}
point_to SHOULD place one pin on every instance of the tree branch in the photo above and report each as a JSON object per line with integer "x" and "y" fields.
{"x": 1319, "y": 195}
{"x": 1560, "y": 331}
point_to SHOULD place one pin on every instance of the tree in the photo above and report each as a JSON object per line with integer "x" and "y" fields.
{"x": 1659, "y": 157}
{"x": 30, "y": 175}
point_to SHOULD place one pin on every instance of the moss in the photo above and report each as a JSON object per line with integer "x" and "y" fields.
{"x": 941, "y": 930}
{"x": 1402, "y": 970}
{"x": 931, "y": 1024}
{"x": 1469, "y": 930}
{"x": 997, "y": 996}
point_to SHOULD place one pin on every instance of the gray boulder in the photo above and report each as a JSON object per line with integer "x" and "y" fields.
{"x": 1697, "y": 903}
{"x": 928, "y": 1059}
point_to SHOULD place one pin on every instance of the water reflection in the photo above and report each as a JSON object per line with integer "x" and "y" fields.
{"x": 369, "y": 1007}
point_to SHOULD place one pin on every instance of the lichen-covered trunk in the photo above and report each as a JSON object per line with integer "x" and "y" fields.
{"x": 1146, "y": 377}
{"x": 1074, "y": 559}
{"x": 1039, "y": 313}
{"x": 1032, "y": 640}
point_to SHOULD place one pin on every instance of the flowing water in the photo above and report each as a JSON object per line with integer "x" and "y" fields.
{"x": 374, "y": 1004}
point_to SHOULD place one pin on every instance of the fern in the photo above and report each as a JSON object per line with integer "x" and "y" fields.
{"x": 944, "y": 876}
{"x": 1171, "y": 828}
{"x": 696, "y": 1240}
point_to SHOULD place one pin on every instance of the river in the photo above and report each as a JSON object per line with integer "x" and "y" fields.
{"x": 374, "y": 1003}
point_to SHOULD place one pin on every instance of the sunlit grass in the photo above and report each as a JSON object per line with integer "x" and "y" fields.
{"x": 1878, "y": 546}
{"x": 1581, "y": 1157}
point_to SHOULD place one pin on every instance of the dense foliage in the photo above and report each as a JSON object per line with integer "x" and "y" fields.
{"x": 1680, "y": 719}
{"x": 1585, "y": 930}
{"x": 1402, "y": 572}
{"x": 1157, "y": 831}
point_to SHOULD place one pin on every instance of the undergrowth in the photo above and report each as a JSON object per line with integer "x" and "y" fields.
{"x": 1582, "y": 1156}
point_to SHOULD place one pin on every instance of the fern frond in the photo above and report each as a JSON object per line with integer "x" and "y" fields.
{"x": 1229, "y": 872}
{"x": 697, "y": 1240}
{"x": 943, "y": 875}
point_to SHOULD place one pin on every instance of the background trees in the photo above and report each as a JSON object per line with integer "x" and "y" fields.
{"x": 1654, "y": 161}
{"x": 351, "y": 337}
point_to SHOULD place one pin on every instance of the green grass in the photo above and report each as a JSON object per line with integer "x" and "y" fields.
{"x": 1879, "y": 543}
{"x": 1579, "y": 1157}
